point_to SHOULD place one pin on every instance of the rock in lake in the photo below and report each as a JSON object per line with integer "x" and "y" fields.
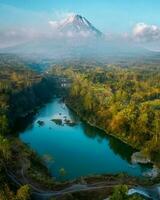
{"x": 138, "y": 157}
{"x": 57, "y": 121}
{"x": 70, "y": 122}
{"x": 153, "y": 173}
{"x": 40, "y": 122}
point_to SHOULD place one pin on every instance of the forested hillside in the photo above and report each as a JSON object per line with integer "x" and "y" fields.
{"x": 124, "y": 102}
{"x": 21, "y": 91}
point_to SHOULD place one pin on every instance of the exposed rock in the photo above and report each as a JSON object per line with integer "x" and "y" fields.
{"x": 139, "y": 158}
{"x": 40, "y": 122}
{"x": 153, "y": 173}
{"x": 70, "y": 122}
{"x": 57, "y": 121}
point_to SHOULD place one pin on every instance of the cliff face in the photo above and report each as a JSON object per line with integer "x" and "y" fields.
{"x": 24, "y": 102}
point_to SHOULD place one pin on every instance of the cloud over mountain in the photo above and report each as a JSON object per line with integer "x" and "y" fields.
{"x": 146, "y": 33}
{"x": 75, "y": 25}
{"x": 72, "y": 27}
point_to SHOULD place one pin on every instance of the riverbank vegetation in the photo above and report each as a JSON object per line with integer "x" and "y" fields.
{"x": 20, "y": 93}
{"x": 117, "y": 100}
{"x": 123, "y": 101}
{"x": 23, "y": 193}
{"x": 120, "y": 192}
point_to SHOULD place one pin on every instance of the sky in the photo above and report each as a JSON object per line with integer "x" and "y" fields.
{"x": 139, "y": 18}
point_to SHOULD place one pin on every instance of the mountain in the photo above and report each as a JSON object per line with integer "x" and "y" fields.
{"x": 76, "y": 38}
{"x": 70, "y": 38}
{"x": 78, "y": 25}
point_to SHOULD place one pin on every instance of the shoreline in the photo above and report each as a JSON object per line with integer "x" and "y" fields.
{"x": 105, "y": 131}
{"x": 100, "y": 128}
{"x": 119, "y": 178}
{"x": 83, "y": 119}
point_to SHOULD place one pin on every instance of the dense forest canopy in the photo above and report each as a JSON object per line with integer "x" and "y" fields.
{"x": 124, "y": 101}
{"x": 20, "y": 92}
{"x": 14, "y": 77}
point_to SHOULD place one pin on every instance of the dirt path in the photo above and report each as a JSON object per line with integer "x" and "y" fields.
{"x": 40, "y": 194}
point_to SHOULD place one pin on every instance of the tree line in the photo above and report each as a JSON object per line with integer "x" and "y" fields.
{"x": 123, "y": 101}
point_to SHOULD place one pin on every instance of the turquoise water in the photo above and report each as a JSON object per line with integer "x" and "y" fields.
{"x": 80, "y": 150}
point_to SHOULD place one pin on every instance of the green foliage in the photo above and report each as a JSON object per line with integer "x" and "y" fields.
{"x": 3, "y": 124}
{"x": 62, "y": 172}
{"x": 5, "y": 149}
{"x": 23, "y": 193}
{"x": 136, "y": 197}
{"x": 15, "y": 77}
{"x": 6, "y": 193}
{"x": 20, "y": 92}
{"x": 120, "y": 193}
{"x": 123, "y": 101}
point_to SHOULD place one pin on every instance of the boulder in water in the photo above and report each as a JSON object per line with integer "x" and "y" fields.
{"x": 40, "y": 122}
{"x": 153, "y": 173}
{"x": 57, "y": 121}
{"x": 138, "y": 157}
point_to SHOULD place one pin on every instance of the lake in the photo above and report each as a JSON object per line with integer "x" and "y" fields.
{"x": 80, "y": 150}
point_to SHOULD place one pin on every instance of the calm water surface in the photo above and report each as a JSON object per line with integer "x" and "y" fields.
{"x": 80, "y": 150}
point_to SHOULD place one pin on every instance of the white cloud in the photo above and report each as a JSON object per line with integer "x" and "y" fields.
{"x": 146, "y": 33}
{"x": 16, "y": 36}
{"x": 40, "y": 25}
{"x": 69, "y": 33}
{"x": 25, "y": 25}
{"x": 59, "y": 18}
{"x": 62, "y": 14}
{"x": 53, "y": 24}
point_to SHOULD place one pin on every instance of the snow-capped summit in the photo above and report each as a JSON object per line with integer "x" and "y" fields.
{"x": 76, "y": 24}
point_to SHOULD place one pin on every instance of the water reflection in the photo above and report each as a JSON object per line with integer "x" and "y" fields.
{"x": 24, "y": 123}
{"x": 80, "y": 149}
{"x": 122, "y": 149}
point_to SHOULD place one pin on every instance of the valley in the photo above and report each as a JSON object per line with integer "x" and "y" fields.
{"x": 79, "y": 100}
{"x": 46, "y": 156}
{"x": 60, "y": 143}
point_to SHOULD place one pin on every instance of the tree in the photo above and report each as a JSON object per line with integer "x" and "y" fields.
{"x": 88, "y": 101}
{"x": 3, "y": 124}
{"x": 120, "y": 193}
{"x": 23, "y": 193}
{"x": 135, "y": 197}
{"x": 62, "y": 172}
{"x": 5, "y": 149}
{"x": 156, "y": 127}
{"x": 6, "y": 193}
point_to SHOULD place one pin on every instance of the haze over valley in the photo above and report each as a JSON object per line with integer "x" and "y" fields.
{"x": 79, "y": 100}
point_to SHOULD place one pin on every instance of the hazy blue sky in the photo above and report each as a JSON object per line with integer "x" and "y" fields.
{"x": 107, "y": 15}
{"x": 136, "y": 20}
